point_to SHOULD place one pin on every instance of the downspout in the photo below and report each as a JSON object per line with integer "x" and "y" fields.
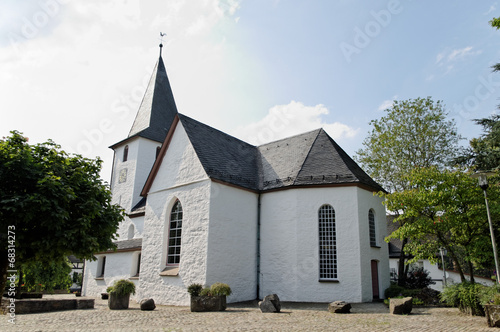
{"x": 258, "y": 247}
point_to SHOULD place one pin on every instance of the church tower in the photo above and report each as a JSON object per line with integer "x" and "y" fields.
{"x": 134, "y": 156}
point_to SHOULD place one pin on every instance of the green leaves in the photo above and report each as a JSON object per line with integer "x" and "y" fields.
{"x": 443, "y": 208}
{"x": 57, "y": 202}
{"x": 413, "y": 133}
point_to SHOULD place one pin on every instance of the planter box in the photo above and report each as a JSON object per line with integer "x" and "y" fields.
{"x": 118, "y": 302}
{"x": 208, "y": 303}
{"x": 492, "y": 312}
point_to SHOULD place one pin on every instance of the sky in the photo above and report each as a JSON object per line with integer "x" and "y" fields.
{"x": 75, "y": 71}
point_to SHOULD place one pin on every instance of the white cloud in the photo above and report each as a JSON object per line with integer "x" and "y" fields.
{"x": 386, "y": 104}
{"x": 492, "y": 8}
{"x": 453, "y": 55}
{"x": 292, "y": 119}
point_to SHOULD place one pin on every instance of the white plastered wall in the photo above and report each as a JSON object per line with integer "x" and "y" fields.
{"x": 380, "y": 253}
{"x": 141, "y": 156}
{"x": 289, "y": 246}
{"x": 232, "y": 241}
{"x": 180, "y": 177}
{"x": 118, "y": 266}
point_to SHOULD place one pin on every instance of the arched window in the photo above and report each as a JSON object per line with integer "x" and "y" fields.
{"x": 327, "y": 243}
{"x": 125, "y": 153}
{"x": 131, "y": 231}
{"x": 174, "y": 235}
{"x": 158, "y": 148}
{"x": 371, "y": 223}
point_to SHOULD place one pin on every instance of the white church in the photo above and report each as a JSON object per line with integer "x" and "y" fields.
{"x": 296, "y": 217}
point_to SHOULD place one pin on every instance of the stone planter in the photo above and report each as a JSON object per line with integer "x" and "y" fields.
{"x": 208, "y": 303}
{"x": 118, "y": 302}
{"x": 492, "y": 312}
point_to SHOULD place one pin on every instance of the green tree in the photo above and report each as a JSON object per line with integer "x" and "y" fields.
{"x": 495, "y": 23}
{"x": 413, "y": 133}
{"x": 47, "y": 276}
{"x": 447, "y": 210}
{"x": 483, "y": 152}
{"x": 54, "y": 204}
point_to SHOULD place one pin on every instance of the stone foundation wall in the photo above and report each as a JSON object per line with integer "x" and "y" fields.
{"x": 29, "y": 306}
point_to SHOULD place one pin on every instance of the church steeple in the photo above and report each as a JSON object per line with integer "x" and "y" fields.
{"x": 157, "y": 109}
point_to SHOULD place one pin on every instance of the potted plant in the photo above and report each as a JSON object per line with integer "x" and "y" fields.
{"x": 492, "y": 311}
{"x": 211, "y": 298}
{"x": 119, "y": 294}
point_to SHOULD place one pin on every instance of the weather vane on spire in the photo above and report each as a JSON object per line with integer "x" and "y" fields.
{"x": 161, "y": 40}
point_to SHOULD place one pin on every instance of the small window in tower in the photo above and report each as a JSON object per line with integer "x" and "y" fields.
{"x": 158, "y": 148}
{"x": 125, "y": 153}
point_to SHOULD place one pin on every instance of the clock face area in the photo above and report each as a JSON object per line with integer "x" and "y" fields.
{"x": 122, "y": 176}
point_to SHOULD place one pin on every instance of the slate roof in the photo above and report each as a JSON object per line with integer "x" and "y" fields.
{"x": 312, "y": 158}
{"x": 129, "y": 244}
{"x": 157, "y": 109}
{"x": 223, "y": 157}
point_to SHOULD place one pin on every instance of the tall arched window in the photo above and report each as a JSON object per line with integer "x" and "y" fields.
{"x": 327, "y": 243}
{"x": 125, "y": 153}
{"x": 174, "y": 235}
{"x": 371, "y": 223}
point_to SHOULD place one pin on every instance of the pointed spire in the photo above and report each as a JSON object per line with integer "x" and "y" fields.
{"x": 157, "y": 109}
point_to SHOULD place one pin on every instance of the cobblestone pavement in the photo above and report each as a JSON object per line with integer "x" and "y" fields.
{"x": 247, "y": 317}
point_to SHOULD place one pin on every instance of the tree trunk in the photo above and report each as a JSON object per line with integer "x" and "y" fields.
{"x": 457, "y": 265}
{"x": 471, "y": 271}
{"x": 401, "y": 265}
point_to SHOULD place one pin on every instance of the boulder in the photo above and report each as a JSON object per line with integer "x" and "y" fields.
{"x": 339, "y": 307}
{"x": 400, "y": 306}
{"x": 148, "y": 304}
{"x": 271, "y": 303}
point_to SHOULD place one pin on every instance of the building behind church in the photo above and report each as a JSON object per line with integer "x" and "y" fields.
{"x": 296, "y": 217}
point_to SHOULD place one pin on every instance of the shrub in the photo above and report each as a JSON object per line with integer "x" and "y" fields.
{"x": 397, "y": 291}
{"x": 195, "y": 289}
{"x": 490, "y": 295}
{"x": 465, "y": 296}
{"x": 219, "y": 289}
{"x": 205, "y": 292}
{"x": 418, "y": 278}
{"x": 428, "y": 296}
{"x": 122, "y": 287}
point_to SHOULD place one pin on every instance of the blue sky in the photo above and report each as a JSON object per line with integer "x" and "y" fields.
{"x": 261, "y": 70}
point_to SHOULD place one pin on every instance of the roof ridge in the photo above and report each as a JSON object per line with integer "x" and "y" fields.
{"x": 307, "y": 156}
{"x": 218, "y": 130}
{"x": 289, "y": 137}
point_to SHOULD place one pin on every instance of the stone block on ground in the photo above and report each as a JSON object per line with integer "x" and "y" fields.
{"x": 148, "y": 304}
{"x": 339, "y": 307}
{"x": 271, "y": 303}
{"x": 400, "y": 306}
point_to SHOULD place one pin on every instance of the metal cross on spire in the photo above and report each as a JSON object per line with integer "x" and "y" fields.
{"x": 161, "y": 40}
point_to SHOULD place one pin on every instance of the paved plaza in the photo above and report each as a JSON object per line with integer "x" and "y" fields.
{"x": 247, "y": 317}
